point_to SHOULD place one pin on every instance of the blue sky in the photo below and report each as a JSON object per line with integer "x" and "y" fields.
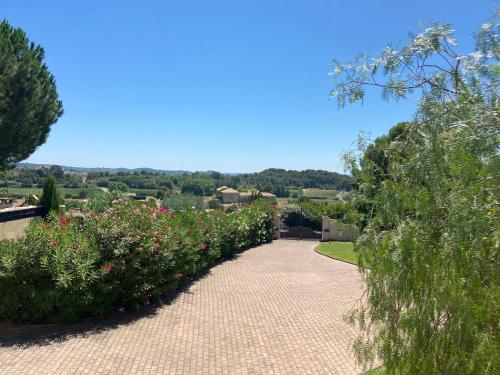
{"x": 234, "y": 86}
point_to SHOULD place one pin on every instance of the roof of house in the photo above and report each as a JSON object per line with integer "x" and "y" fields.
{"x": 264, "y": 194}
{"x": 222, "y": 188}
{"x": 230, "y": 191}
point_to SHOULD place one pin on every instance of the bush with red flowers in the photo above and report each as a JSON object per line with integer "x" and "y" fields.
{"x": 93, "y": 264}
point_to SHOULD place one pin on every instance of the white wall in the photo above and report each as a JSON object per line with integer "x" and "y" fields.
{"x": 334, "y": 230}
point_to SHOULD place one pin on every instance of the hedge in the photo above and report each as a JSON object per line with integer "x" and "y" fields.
{"x": 94, "y": 264}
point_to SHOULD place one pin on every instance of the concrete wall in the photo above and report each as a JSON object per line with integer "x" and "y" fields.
{"x": 15, "y": 220}
{"x": 15, "y": 228}
{"x": 230, "y": 197}
{"x": 336, "y": 231}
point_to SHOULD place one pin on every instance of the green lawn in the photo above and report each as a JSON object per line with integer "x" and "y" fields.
{"x": 338, "y": 250}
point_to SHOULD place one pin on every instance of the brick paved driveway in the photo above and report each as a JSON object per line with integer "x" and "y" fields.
{"x": 275, "y": 309}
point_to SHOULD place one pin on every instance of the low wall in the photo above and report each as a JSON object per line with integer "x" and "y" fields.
{"x": 14, "y": 221}
{"x": 334, "y": 230}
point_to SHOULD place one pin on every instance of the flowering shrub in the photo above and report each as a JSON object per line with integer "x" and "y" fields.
{"x": 132, "y": 254}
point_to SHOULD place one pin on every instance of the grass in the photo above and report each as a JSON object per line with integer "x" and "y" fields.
{"x": 338, "y": 250}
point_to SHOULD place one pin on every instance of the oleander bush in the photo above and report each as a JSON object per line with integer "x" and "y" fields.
{"x": 70, "y": 267}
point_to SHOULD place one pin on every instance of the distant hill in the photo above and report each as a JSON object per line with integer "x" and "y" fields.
{"x": 309, "y": 178}
{"x": 102, "y": 169}
{"x": 277, "y": 181}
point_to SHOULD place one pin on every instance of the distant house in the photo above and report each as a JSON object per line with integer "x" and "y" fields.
{"x": 229, "y": 196}
{"x": 245, "y": 197}
{"x": 270, "y": 197}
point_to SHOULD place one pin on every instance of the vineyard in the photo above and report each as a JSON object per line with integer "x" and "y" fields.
{"x": 18, "y": 192}
{"x": 320, "y": 194}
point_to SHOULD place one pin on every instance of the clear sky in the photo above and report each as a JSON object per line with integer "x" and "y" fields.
{"x": 227, "y": 85}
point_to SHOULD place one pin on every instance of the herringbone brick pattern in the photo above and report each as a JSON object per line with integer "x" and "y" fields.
{"x": 275, "y": 309}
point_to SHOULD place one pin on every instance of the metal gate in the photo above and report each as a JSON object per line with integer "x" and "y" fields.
{"x": 299, "y": 228}
{"x": 300, "y": 233}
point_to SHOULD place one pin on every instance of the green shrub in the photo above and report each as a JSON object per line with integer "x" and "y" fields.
{"x": 51, "y": 198}
{"x": 306, "y": 213}
{"x": 69, "y": 268}
{"x": 214, "y": 204}
{"x": 183, "y": 202}
{"x": 294, "y": 215}
{"x": 100, "y": 200}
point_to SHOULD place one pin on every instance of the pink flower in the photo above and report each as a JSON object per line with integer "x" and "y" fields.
{"x": 203, "y": 246}
{"x": 107, "y": 267}
{"x": 54, "y": 243}
{"x": 63, "y": 220}
{"x": 165, "y": 211}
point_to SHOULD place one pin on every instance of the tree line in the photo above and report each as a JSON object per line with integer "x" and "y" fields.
{"x": 276, "y": 181}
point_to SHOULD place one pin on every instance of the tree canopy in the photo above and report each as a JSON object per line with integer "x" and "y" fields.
{"x": 29, "y": 103}
{"x": 432, "y": 240}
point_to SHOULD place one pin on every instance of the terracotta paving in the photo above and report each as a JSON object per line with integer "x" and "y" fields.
{"x": 275, "y": 309}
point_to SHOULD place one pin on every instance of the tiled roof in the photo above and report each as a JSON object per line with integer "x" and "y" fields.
{"x": 229, "y": 190}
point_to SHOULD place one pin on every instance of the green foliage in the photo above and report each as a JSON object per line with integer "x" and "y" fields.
{"x": 433, "y": 238}
{"x": 162, "y": 185}
{"x": 203, "y": 187}
{"x": 65, "y": 192}
{"x": 118, "y": 186}
{"x": 378, "y": 154}
{"x": 57, "y": 172}
{"x": 100, "y": 200}
{"x": 51, "y": 198}
{"x": 132, "y": 254}
{"x": 214, "y": 204}
{"x": 29, "y": 102}
{"x": 293, "y": 215}
{"x": 183, "y": 202}
{"x": 305, "y": 212}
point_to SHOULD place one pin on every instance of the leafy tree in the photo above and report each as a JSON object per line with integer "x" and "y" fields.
{"x": 198, "y": 187}
{"x": 118, "y": 186}
{"x": 376, "y": 157}
{"x": 432, "y": 242}
{"x": 29, "y": 102}
{"x": 51, "y": 199}
{"x": 57, "y": 172}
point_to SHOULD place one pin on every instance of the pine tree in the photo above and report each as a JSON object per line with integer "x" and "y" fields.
{"x": 29, "y": 102}
{"x": 50, "y": 196}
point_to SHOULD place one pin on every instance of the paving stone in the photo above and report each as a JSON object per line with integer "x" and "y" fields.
{"x": 274, "y": 309}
